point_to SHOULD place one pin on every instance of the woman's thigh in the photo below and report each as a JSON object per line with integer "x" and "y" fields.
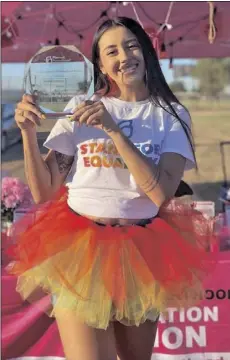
{"x": 83, "y": 342}
{"x": 135, "y": 343}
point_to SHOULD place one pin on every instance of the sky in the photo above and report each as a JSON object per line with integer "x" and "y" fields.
{"x": 12, "y": 74}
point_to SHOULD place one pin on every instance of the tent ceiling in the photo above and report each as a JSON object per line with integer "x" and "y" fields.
{"x": 36, "y": 22}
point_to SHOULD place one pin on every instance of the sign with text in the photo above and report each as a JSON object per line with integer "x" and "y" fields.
{"x": 200, "y": 332}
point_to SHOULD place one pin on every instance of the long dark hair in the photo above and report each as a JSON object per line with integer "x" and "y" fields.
{"x": 160, "y": 93}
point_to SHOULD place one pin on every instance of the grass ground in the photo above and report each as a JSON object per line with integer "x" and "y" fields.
{"x": 211, "y": 126}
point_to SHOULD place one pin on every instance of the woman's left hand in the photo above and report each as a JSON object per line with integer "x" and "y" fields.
{"x": 95, "y": 114}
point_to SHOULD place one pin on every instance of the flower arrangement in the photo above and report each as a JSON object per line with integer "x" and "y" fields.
{"x": 14, "y": 194}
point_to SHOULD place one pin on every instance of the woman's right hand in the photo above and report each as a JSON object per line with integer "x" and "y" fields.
{"x": 27, "y": 114}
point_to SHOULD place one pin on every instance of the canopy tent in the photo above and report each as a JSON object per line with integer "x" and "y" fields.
{"x": 178, "y": 29}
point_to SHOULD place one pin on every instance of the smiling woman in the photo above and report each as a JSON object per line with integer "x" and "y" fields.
{"x": 117, "y": 45}
{"x": 115, "y": 256}
{"x": 123, "y": 62}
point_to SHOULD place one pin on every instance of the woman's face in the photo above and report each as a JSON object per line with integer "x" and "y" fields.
{"x": 121, "y": 57}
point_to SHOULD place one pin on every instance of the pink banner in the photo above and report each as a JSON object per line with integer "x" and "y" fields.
{"x": 198, "y": 333}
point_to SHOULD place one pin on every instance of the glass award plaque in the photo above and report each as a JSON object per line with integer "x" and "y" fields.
{"x": 56, "y": 74}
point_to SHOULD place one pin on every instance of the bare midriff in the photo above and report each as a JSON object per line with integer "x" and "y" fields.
{"x": 109, "y": 221}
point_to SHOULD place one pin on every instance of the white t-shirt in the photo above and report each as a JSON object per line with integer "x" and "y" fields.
{"x": 99, "y": 182}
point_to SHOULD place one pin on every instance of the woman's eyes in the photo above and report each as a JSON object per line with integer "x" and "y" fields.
{"x": 131, "y": 46}
{"x": 111, "y": 52}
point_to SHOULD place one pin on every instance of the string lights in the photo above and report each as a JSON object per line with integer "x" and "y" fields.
{"x": 112, "y": 8}
{"x": 136, "y": 14}
{"x": 50, "y": 16}
{"x": 28, "y": 8}
{"x": 163, "y": 49}
{"x": 150, "y": 18}
{"x": 115, "y": 7}
{"x": 166, "y": 24}
{"x": 57, "y": 41}
{"x": 9, "y": 34}
{"x": 104, "y": 14}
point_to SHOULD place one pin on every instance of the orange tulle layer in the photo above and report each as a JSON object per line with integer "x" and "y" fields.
{"x": 109, "y": 273}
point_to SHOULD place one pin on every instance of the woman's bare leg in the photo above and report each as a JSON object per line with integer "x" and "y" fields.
{"x": 83, "y": 342}
{"x": 134, "y": 342}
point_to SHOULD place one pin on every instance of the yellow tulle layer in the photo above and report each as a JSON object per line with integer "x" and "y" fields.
{"x": 90, "y": 300}
{"x": 102, "y": 274}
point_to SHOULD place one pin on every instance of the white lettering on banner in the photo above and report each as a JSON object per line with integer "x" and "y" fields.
{"x": 182, "y": 315}
{"x": 172, "y": 338}
{"x": 178, "y": 338}
{"x": 211, "y": 314}
{"x": 194, "y": 356}
{"x": 194, "y": 314}
{"x": 192, "y": 336}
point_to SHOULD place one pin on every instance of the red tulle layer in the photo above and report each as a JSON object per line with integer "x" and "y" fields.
{"x": 170, "y": 255}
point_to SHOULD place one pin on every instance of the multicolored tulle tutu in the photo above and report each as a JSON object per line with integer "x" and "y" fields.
{"x": 104, "y": 273}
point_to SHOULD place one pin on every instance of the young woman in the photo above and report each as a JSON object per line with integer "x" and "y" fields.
{"x": 103, "y": 250}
